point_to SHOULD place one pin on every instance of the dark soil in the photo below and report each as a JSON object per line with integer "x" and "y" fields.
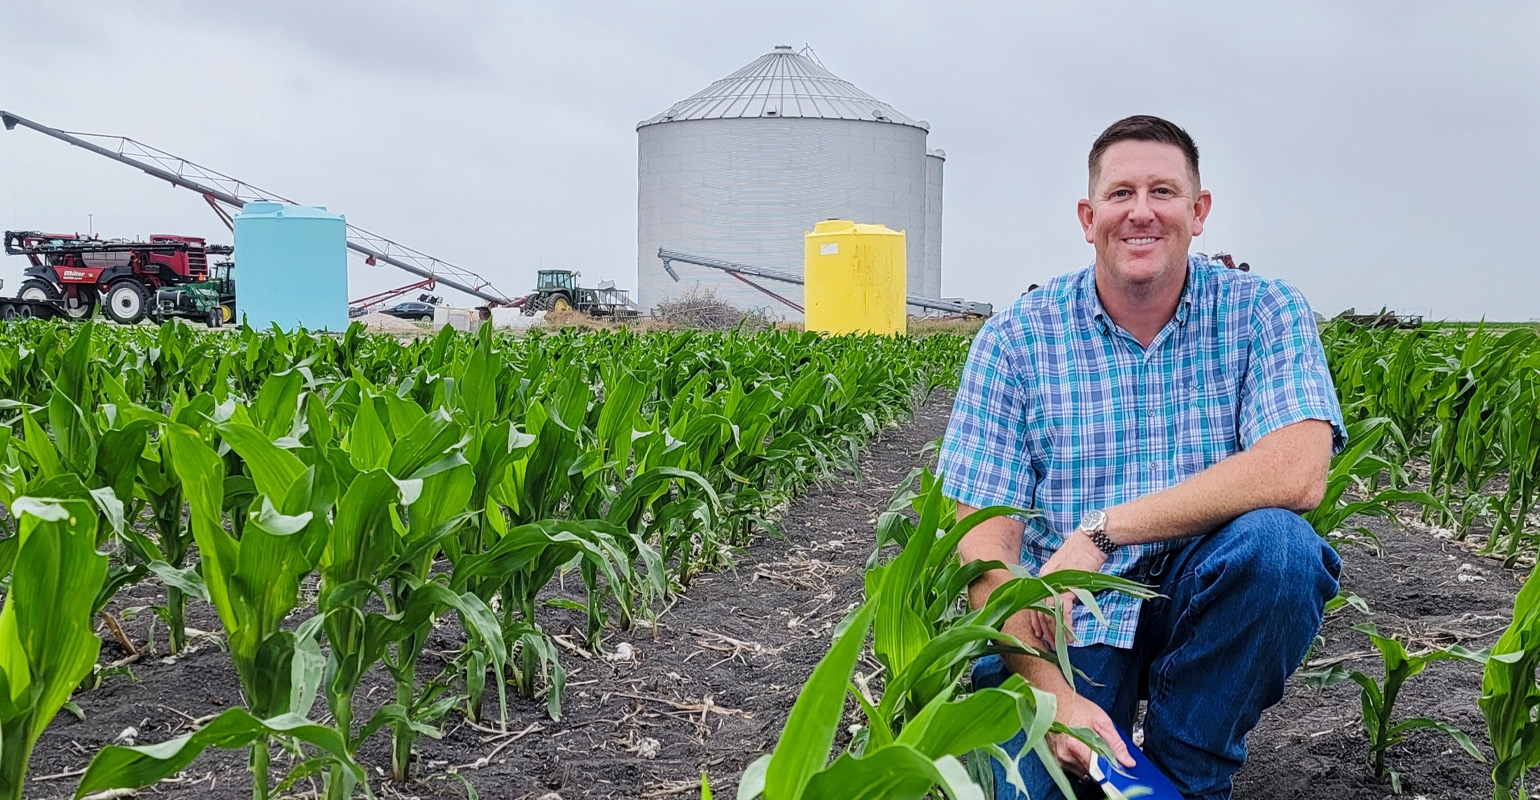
{"x": 1431, "y": 592}
{"x": 709, "y": 689}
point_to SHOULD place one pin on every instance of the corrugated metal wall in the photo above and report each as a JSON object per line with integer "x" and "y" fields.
{"x": 935, "y": 160}
{"x": 747, "y": 190}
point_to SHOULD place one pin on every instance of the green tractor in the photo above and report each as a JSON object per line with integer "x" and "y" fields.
{"x": 557, "y": 290}
{"x": 211, "y": 302}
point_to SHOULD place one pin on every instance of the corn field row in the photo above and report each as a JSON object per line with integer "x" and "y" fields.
{"x": 1462, "y": 404}
{"x": 410, "y": 482}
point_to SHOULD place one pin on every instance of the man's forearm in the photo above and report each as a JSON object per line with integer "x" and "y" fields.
{"x": 1287, "y": 469}
{"x": 999, "y": 539}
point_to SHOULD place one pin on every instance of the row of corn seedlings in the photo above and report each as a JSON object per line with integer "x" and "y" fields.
{"x": 1464, "y": 401}
{"x": 444, "y": 478}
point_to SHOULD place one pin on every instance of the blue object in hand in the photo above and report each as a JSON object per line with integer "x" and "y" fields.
{"x": 1143, "y": 780}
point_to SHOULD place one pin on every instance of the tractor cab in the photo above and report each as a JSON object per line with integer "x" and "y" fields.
{"x": 556, "y": 280}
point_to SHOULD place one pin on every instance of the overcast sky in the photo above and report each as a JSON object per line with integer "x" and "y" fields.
{"x": 1373, "y": 153}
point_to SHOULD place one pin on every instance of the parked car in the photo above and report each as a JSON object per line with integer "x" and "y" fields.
{"x": 411, "y": 310}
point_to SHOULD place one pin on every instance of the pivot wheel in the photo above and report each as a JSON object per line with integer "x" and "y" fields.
{"x": 82, "y": 305}
{"x": 126, "y": 302}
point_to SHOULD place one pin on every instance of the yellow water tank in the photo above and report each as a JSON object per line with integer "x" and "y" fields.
{"x": 856, "y": 278}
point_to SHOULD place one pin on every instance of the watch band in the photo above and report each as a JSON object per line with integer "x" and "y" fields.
{"x": 1103, "y": 542}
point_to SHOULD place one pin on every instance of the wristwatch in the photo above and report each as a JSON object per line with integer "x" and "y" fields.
{"x": 1094, "y": 523}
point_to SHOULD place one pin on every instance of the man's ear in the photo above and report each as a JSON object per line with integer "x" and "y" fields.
{"x": 1086, "y": 214}
{"x": 1200, "y": 209}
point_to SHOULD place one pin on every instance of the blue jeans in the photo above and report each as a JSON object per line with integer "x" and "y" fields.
{"x": 1238, "y": 609}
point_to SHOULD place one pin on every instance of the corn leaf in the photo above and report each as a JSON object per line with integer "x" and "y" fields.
{"x": 120, "y": 767}
{"x": 47, "y": 645}
{"x": 815, "y": 716}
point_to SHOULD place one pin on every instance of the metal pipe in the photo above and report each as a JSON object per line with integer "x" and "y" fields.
{"x": 11, "y": 121}
{"x": 730, "y": 267}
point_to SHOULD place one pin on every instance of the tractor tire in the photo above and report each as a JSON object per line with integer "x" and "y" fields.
{"x": 226, "y": 313}
{"x": 215, "y": 317}
{"x": 126, "y": 302}
{"x": 7, "y": 311}
{"x": 561, "y": 303}
{"x": 38, "y": 289}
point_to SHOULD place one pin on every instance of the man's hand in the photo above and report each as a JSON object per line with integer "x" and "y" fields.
{"x": 1078, "y": 552}
{"x": 1077, "y": 712}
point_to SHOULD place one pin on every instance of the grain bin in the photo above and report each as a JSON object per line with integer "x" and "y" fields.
{"x": 856, "y": 277}
{"x": 742, "y": 169}
{"x": 930, "y": 284}
{"x": 293, "y": 266}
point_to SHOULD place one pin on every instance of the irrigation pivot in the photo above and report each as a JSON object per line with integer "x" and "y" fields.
{"x": 223, "y": 192}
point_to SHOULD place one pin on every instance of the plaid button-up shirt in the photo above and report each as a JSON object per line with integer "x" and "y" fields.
{"x": 1062, "y": 411}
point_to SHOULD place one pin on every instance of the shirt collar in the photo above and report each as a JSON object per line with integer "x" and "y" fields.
{"x": 1092, "y": 304}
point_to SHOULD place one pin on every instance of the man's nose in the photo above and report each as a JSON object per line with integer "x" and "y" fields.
{"x": 1141, "y": 209}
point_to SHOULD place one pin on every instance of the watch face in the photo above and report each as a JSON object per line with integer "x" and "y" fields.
{"x": 1094, "y": 521}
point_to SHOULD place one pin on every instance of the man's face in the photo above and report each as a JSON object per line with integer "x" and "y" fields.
{"x": 1143, "y": 211}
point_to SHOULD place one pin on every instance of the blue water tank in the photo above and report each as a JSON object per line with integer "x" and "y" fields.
{"x": 291, "y": 267}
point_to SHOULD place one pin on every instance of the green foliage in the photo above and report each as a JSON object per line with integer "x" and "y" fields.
{"x": 418, "y": 480}
{"x": 1379, "y": 697}
{"x": 920, "y": 729}
{"x": 46, "y": 643}
{"x": 1510, "y": 696}
{"x": 117, "y": 766}
{"x": 1360, "y": 468}
{"x": 1463, "y": 398}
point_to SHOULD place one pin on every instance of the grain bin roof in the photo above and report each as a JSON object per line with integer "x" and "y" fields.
{"x": 782, "y": 83}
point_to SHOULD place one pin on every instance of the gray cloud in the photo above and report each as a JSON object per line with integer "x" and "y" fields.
{"x": 1374, "y": 153}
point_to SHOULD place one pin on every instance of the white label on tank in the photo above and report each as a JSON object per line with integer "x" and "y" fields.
{"x": 830, "y": 249}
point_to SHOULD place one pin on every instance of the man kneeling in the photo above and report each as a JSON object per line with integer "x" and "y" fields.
{"x": 1169, "y": 420}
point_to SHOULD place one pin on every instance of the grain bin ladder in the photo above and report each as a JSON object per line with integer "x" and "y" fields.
{"x": 220, "y": 190}
{"x": 738, "y": 271}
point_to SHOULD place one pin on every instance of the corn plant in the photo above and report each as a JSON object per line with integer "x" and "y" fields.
{"x": 371, "y": 553}
{"x": 1518, "y": 437}
{"x": 1378, "y": 698}
{"x": 1510, "y": 697}
{"x": 919, "y": 730}
{"x": 799, "y": 766}
{"x": 253, "y": 583}
{"x": 926, "y": 638}
{"x": 924, "y": 756}
{"x": 1359, "y": 468}
{"x": 47, "y": 645}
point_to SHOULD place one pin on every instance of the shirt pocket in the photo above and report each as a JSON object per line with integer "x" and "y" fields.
{"x": 1209, "y": 420}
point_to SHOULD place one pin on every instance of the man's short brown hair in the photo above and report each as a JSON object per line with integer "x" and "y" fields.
{"x": 1143, "y": 128}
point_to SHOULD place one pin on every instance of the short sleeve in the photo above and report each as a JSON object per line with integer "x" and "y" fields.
{"x": 1287, "y": 380}
{"x": 984, "y": 459}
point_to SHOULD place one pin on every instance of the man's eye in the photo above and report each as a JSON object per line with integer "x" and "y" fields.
{"x": 1120, "y": 193}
